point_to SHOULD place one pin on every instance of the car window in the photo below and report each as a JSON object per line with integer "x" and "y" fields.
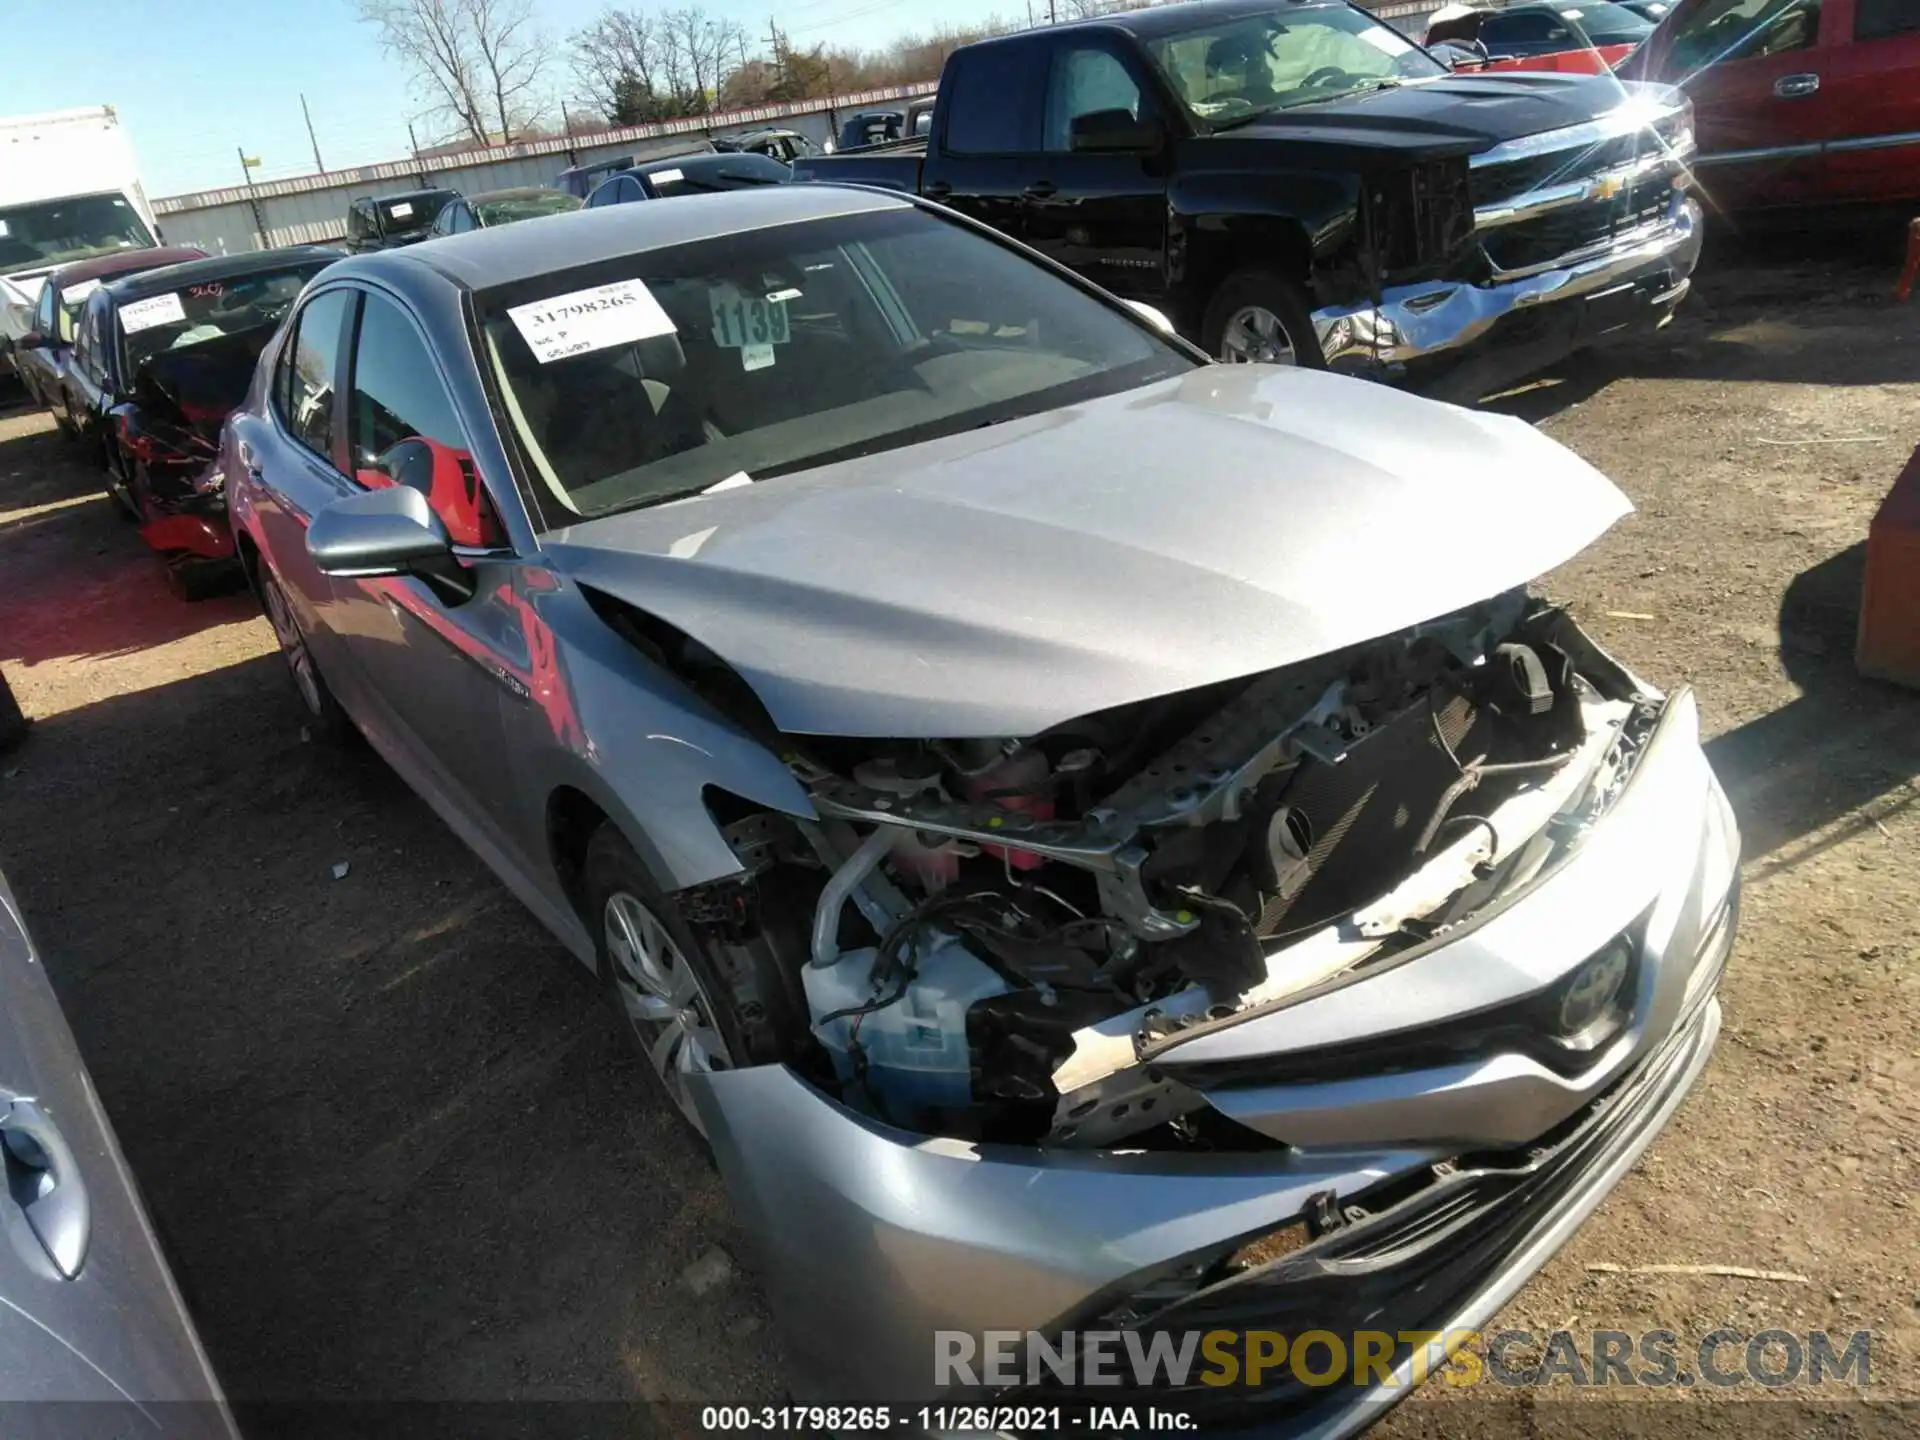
{"x": 775, "y": 350}
{"x": 1086, "y": 79}
{"x": 316, "y": 364}
{"x": 1530, "y": 27}
{"x": 1879, "y": 19}
{"x": 1723, "y": 30}
{"x": 404, "y": 429}
{"x": 1605, "y": 23}
{"x": 992, "y": 109}
{"x": 43, "y": 313}
{"x": 210, "y": 309}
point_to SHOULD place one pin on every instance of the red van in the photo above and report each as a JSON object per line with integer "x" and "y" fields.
{"x": 1797, "y": 102}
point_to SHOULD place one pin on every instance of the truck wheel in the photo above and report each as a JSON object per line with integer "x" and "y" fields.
{"x": 1259, "y": 318}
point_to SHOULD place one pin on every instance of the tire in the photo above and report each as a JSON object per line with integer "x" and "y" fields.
{"x": 13, "y": 724}
{"x": 1256, "y": 310}
{"x": 684, "y": 1005}
{"x": 193, "y": 579}
{"x": 327, "y": 721}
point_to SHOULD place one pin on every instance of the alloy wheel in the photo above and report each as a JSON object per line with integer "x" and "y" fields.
{"x": 293, "y": 644}
{"x": 662, "y": 998}
{"x": 1254, "y": 335}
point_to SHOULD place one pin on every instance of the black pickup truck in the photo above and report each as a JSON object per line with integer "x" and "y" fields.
{"x": 1294, "y": 181}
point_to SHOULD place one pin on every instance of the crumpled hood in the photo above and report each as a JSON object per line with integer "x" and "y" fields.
{"x": 1001, "y": 581}
{"x": 1463, "y": 113}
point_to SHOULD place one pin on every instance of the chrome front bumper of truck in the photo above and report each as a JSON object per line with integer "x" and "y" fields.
{"x": 1635, "y": 279}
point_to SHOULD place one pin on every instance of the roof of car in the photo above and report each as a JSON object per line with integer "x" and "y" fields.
{"x": 121, "y": 261}
{"x": 392, "y": 196}
{"x": 218, "y": 267}
{"x": 502, "y": 254}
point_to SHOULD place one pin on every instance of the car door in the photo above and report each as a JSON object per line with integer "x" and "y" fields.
{"x": 38, "y": 367}
{"x": 1102, "y": 213}
{"x": 1871, "y": 79}
{"x": 289, "y": 460}
{"x": 437, "y": 671}
{"x": 1752, "y": 69}
{"x": 85, "y": 384}
{"x": 97, "y": 1340}
{"x": 988, "y": 151}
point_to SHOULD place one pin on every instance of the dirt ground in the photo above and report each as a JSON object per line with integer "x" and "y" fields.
{"x": 400, "y": 1154}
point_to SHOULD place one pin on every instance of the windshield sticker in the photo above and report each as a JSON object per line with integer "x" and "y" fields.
{"x": 741, "y": 320}
{"x": 756, "y": 357}
{"x": 4, "y": 231}
{"x": 401, "y": 211}
{"x": 595, "y": 319}
{"x": 667, "y": 177}
{"x": 1386, "y": 41}
{"x": 74, "y": 294}
{"x": 155, "y": 310}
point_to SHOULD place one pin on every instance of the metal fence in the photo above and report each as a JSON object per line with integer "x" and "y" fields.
{"x": 311, "y": 209}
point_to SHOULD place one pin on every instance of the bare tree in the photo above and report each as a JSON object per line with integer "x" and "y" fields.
{"x": 480, "y": 61}
{"x": 638, "y": 64}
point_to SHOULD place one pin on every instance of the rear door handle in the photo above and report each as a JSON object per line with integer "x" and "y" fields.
{"x": 247, "y": 459}
{"x": 43, "y": 1185}
{"x": 936, "y": 190}
{"x": 1041, "y": 190}
{"x": 1794, "y": 87}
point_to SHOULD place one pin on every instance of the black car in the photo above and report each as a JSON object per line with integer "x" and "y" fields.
{"x": 378, "y": 222}
{"x": 581, "y": 181}
{"x": 1295, "y": 182}
{"x": 688, "y": 175}
{"x": 502, "y": 207}
{"x": 159, "y": 360}
{"x": 872, "y": 127}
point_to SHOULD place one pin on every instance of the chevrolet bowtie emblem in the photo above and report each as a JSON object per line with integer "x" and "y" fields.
{"x": 1606, "y": 187}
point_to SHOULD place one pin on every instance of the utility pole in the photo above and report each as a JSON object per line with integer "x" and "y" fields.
{"x": 566, "y": 124}
{"x": 1052, "y": 18}
{"x": 253, "y": 200}
{"x": 319, "y": 164}
{"x": 413, "y": 144}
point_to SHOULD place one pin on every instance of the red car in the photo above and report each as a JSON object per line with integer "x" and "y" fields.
{"x": 1796, "y": 102}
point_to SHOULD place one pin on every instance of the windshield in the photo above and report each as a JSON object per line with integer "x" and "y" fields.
{"x": 510, "y": 208}
{"x": 1605, "y": 23}
{"x": 716, "y": 172}
{"x": 771, "y": 351}
{"x": 411, "y": 212}
{"x": 1244, "y": 65}
{"x": 54, "y": 232}
{"x": 192, "y": 314}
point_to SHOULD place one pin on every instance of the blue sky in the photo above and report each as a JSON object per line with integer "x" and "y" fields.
{"x": 194, "y": 80}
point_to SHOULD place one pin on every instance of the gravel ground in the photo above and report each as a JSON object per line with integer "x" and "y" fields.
{"x": 400, "y": 1154}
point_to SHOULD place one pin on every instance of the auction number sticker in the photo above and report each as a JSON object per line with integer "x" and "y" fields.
{"x": 751, "y": 324}
{"x": 584, "y": 320}
{"x": 154, "y": 310}
{"x": 74, "y": 294}
{"x": 402, "y": 211}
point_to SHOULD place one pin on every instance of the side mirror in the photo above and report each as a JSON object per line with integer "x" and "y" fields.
{"x": 32, "y": 340}
{"x": 389, "y": 531}
{"x": 1156, "y": 318}
{"x": 1108, "y": 131}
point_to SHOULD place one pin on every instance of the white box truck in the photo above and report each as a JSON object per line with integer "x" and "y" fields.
{"x": 69, "y": 190}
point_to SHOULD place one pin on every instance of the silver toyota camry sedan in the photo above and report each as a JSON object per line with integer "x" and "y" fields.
{"x": 1097, "y": 842}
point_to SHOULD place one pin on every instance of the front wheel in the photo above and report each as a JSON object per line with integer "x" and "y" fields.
{"x": 1257, "y": 317}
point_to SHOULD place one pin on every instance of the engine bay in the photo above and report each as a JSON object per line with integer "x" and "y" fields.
{"x": 1006, "y": 931}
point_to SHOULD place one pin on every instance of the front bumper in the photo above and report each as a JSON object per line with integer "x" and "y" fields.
{"x": 1423, "y": 333}
{"x": 872, "y": 1240}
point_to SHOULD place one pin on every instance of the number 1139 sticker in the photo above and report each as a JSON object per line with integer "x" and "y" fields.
{"x": 750, "y": 324}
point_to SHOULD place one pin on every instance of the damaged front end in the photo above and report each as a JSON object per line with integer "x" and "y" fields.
{"x": 1096, "y": 1013}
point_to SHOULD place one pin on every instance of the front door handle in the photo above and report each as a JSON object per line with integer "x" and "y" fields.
{"x": 1794, "y": 87}
{"x": 44, "y": 1187}
{"x": 1041, "y": 190}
